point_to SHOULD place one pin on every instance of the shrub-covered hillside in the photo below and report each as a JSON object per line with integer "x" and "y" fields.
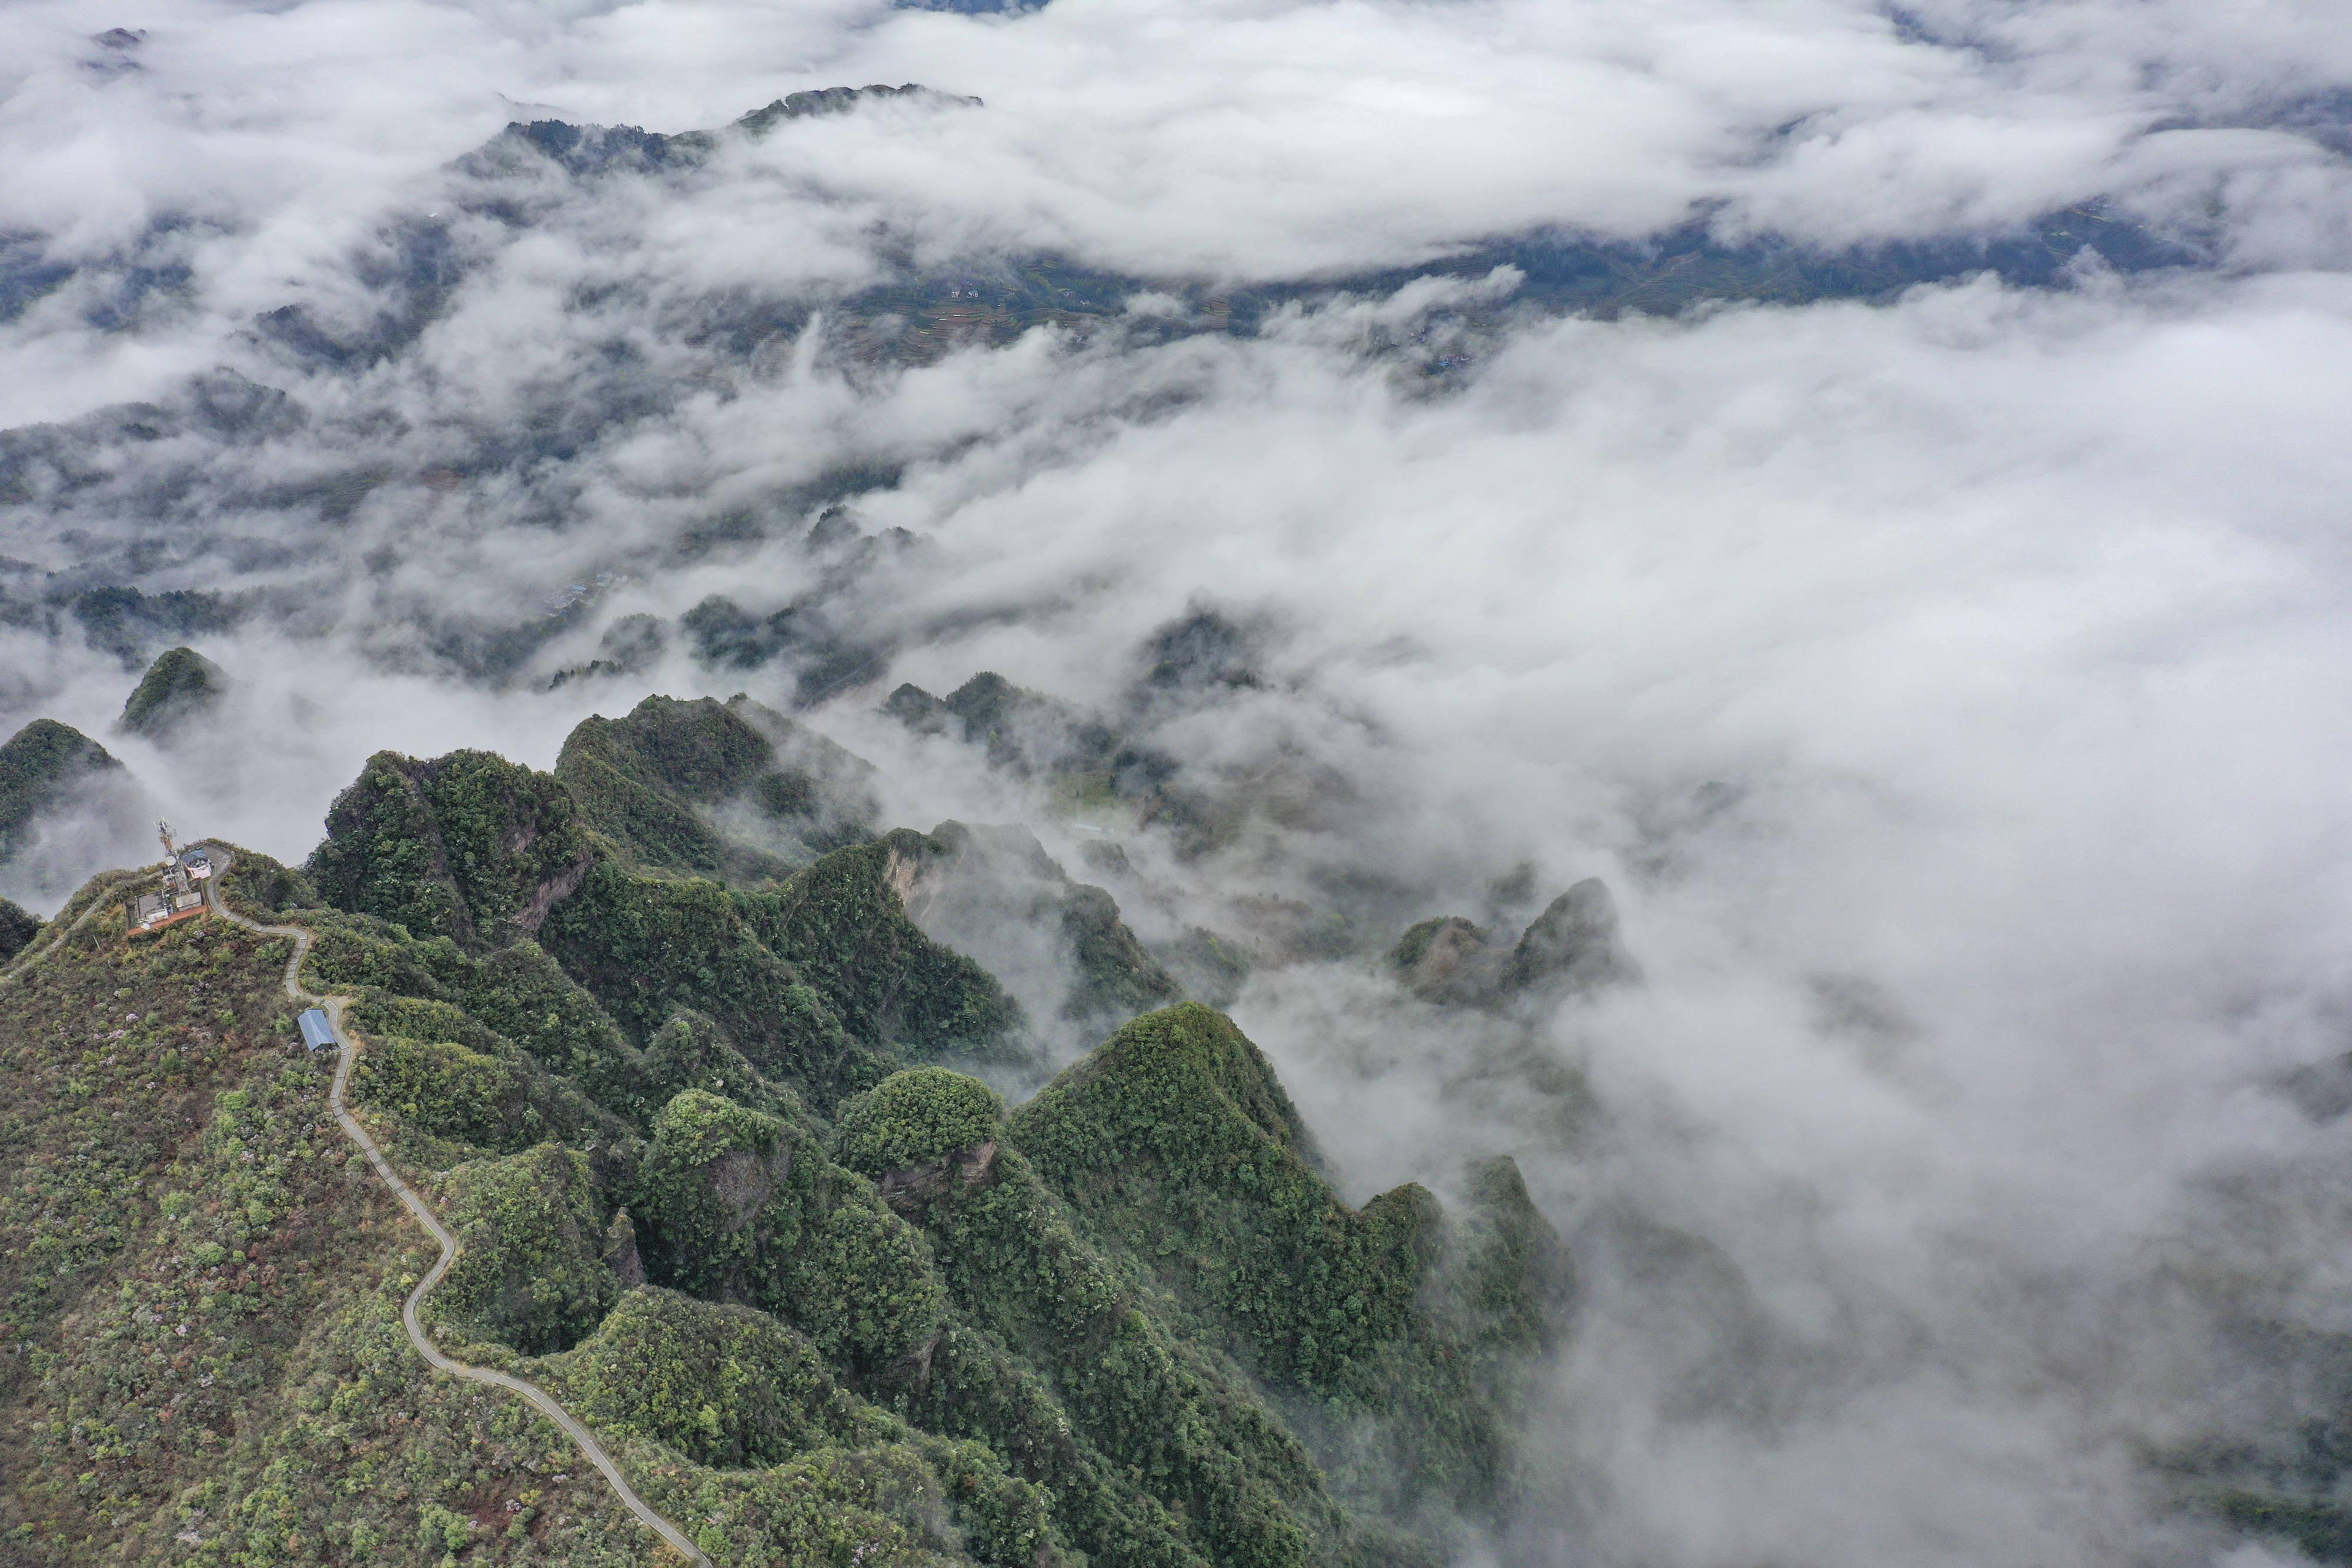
{"x": 724, "y": 1183}
{"x": 200, "y": 1360}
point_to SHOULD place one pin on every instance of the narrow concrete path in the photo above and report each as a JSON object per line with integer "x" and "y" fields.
{"x": 540, "y": 1400}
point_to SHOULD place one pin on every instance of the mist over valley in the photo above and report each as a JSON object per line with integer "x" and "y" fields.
{"x": 1490, "y": 783}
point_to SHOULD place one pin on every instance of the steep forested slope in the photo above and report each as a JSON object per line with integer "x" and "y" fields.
{"x": 731, "y": 789}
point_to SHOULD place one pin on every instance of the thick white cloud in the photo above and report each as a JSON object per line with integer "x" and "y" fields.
{"x": 1242, "y": 138}
{"x": 255, "y": 146}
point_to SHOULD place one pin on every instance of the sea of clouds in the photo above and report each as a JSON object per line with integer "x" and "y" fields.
{"x": 1949, "y": 684}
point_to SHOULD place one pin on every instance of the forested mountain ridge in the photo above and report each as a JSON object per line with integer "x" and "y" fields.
{"x": 707, "y": 1127}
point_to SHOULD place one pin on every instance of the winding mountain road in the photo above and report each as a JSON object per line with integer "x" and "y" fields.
{"x": 539, "y": 1399}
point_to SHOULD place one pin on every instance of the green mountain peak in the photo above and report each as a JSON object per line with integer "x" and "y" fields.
{"x": 181, "y": 686}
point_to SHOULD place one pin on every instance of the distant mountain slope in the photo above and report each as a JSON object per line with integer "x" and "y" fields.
{"x": 1572, "y": 945}
{"x": 41, "y": 766}
{"x": 731, "y": 789}
{"x": 67, "y": 807}
{"x": 299, "y": 433}
{"x": 179, "y": 685}
{"x": 994, "y": 892}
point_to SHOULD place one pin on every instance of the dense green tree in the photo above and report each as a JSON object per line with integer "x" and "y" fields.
{"x": 915, "y": 1115}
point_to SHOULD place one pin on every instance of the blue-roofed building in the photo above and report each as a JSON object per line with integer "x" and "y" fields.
{"x": 318, "y": 1029}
